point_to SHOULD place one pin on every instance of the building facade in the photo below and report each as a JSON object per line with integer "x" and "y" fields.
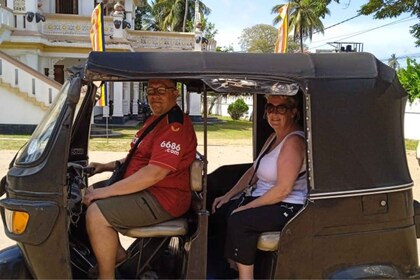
{"x": 40, "y": 39}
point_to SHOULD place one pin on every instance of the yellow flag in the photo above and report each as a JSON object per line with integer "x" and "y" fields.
{"x": 283, "y": 33}
{"x": 97, "y": 39}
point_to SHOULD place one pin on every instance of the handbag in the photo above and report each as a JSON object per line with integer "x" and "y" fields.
{"x": 120, "y": 168}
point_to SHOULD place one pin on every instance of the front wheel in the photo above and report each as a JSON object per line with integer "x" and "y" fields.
{"x": 12, "y": 264}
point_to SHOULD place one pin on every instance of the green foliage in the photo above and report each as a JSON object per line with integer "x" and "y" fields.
{"x": 237, "y": 109}
{"x": 391, "y": 9}
{"x": 260, "y": 38}
{"x": 225, "y": 49}
{"x": 410, "y": 79}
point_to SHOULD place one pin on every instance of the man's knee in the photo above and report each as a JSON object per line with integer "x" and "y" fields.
{"x": 94, "y": 215}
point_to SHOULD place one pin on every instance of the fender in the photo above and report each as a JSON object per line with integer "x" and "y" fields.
{"x": 12, "y": 264}
{"x": 367, "y": 271}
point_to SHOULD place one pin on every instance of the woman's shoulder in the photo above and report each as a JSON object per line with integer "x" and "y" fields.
{"x": 297, "y": 137}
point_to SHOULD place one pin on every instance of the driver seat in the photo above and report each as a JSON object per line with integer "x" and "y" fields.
{"x": 173, "y": 228}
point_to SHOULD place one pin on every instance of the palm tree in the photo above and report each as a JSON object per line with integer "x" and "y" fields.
{"x": 393, "y": 61}
{"x": 170, "y": 14}
{"x": 304, "y": 18}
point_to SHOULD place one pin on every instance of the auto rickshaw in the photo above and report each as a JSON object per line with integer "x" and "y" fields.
{"x": 359, "y": 221}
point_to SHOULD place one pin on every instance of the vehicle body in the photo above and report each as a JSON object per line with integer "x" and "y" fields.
{"x": 359, "y": 219}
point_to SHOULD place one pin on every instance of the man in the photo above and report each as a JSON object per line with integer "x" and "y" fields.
{"x": 155, "y": 187}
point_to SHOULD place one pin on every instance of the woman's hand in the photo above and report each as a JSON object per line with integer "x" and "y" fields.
{"x": 218, "y": 202}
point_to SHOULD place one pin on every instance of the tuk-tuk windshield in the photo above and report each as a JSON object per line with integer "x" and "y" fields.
{"x": 233, "y": 84}
{"x": 36, "y": 145}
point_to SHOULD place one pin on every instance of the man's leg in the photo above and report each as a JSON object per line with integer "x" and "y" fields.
{"x": 104, "y": 241}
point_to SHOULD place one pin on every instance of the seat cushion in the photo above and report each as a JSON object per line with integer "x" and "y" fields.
{"x": 176, "y": 227}
{"x": 269, "y": 241}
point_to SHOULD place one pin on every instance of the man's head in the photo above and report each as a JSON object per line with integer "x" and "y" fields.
{"x": 161, "y": 95}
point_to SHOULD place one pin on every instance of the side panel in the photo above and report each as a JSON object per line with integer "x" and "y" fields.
{"x": 332, "y": 235}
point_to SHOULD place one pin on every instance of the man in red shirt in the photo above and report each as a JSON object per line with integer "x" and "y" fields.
{"x": 156, "y": 185}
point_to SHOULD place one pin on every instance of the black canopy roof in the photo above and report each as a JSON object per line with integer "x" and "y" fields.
{"x": 354, "y": 107}
{"x": 144, "y": 65}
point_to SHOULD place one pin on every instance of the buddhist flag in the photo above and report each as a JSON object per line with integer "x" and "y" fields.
{"x": 283, "y": 33}
{"x": 97, "y": 38}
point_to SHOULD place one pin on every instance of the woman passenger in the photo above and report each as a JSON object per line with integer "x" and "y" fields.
{"x": 280, "y": 186}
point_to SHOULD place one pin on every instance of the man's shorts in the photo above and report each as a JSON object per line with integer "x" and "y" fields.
{"x": 132, "y": 210}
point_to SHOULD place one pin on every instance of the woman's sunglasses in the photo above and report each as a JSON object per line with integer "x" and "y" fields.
{"x": 279, "y": 109}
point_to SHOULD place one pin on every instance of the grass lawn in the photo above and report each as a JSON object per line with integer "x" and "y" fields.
{"x": 228, "y": 133}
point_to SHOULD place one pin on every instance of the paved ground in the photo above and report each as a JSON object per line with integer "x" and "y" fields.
{"x": 218, "y": 155}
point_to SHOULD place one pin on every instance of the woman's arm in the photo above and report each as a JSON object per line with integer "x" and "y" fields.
{"x": 242, "y": 183}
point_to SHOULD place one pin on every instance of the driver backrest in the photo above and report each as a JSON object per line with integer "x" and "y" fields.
{"x": 196, "y": 173}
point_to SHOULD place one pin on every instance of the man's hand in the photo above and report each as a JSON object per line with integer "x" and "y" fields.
{"x": 92, "y": 194}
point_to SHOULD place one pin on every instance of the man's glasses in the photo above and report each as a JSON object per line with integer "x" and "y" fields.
{"x": 156, "y": 91}
{"x": 279, "y": 109}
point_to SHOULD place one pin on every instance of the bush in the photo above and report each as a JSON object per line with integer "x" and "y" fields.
{"x": 237, "y": 109}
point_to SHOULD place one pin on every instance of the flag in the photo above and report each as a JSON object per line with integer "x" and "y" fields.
{"x": 97, "y": 39}
{"x": 283, "y": 33}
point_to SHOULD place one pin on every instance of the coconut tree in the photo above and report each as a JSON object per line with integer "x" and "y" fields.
{"x": 393, "y": 61}
{"x": 170, "y": 15}
{"x": 304, "y": 18}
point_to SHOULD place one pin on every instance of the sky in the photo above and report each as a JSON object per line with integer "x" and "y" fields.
{"x": 379, "y": 37}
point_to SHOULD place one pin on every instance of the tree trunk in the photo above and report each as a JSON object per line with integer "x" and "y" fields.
{"x": 301, "y": 39}
{"x": 184, "y": 23}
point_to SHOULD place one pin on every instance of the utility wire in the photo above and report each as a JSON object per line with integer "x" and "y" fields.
{"x": 331, "y": 26}
{"x": 364, "y": 31}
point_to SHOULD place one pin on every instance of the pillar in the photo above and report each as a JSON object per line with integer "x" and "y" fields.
{"x": 135, "y": 98}
{"x": 118, "y": 101}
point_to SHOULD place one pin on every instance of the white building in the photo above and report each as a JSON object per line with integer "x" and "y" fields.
{"x": 39, "y": 39}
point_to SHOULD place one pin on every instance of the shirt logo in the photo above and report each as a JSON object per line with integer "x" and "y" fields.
{"x": 171, "y": 147}
{"x": 174, "y": 129}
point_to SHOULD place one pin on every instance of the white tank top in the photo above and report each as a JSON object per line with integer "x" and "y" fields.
{"x": 267, "y": 175}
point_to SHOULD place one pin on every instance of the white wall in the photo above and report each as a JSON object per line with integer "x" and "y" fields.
{"x": 412, "y": 120}
{"x": 16, "y": 110}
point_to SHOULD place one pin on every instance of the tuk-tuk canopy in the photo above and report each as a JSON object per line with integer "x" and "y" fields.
{"x": 353, "y": 107}
{"x": 180, "y": 65}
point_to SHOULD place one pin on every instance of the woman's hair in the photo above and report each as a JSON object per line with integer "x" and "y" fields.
{"x": 293, "y": 101}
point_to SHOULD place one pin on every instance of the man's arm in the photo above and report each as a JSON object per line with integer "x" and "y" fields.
{"x": 140, "y": 180}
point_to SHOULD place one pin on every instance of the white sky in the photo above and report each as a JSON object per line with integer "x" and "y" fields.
{"x": 232, "y": 16}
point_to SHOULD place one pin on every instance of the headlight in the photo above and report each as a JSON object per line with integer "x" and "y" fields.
{"x": 16, "y": 221}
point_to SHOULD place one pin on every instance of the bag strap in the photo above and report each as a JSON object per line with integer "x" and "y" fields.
{"x": 262, "y": 154}
{"x": 141, "y": 137}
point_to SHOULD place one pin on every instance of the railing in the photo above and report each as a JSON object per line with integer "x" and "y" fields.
{"x": 37, "y": 87}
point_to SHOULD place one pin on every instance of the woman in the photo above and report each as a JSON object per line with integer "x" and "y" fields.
{"x": 279, "y": 177}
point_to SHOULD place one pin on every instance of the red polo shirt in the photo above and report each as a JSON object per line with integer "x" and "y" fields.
{"x": 172, "y": 145}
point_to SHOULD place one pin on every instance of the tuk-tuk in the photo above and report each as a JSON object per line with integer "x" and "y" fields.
{"x": 359, "y": 220}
